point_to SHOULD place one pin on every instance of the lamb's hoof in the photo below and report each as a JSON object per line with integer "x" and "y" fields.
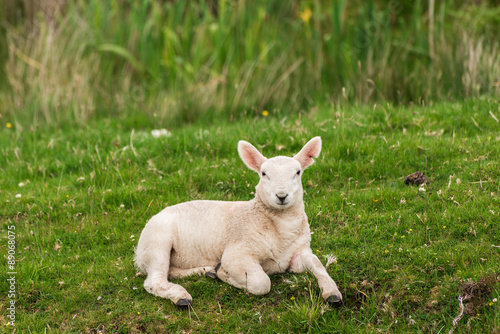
{"x": 184, "y": 302}
{"x": 211, "y": 274}
{"x": 335, "y": 301}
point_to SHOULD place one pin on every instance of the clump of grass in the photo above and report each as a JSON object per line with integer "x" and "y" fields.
{"x": 304, "y": 315}
{"x": 50, "y": 73}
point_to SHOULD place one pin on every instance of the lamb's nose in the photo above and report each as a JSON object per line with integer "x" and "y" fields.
{"x": 282, "y": 198}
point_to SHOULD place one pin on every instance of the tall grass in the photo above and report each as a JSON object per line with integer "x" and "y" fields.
{"x": 180, "y": 60}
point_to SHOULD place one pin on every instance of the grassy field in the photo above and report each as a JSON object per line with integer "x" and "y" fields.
{"x": 80, "y": 195}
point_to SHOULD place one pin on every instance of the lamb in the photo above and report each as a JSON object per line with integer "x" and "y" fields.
{"x": 240, "y": 243}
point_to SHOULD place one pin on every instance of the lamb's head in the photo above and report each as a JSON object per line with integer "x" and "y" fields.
{"x": 280, "y": 185}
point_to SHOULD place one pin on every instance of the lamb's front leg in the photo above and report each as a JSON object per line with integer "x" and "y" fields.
{"x": 306, "y": 260}
{"x": 243, "y": 272}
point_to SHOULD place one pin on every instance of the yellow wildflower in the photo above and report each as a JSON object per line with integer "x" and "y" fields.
{"x": 292, "y": 298}
{"x": 8, "y": 125}
{"x": 306, "y": 15}
{"x": 265, "y": 113}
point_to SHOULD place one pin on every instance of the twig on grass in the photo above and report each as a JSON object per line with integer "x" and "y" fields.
{"x": 460, "y": 314}
{"x": 493, "y": 116}
{"x": 192, "y": 308}
{"x": 220, "y": 308}
{"x": 475, "y": 123}
{"x": 147, "y": 208}
{"x": 330, "y": 259}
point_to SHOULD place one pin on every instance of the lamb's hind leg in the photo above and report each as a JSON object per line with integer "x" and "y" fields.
{"x": 179, "y": 273}
{"x": 153, "y": 258}
{"x": 158, "y": 284}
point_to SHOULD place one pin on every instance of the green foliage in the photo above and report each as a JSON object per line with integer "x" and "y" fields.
{"x": 181, "y": 60}
{"x": 79, "y": 197}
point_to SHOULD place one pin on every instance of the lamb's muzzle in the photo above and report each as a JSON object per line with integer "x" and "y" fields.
{"x": 240, "y": 243}
{"x": 282, "y": 198}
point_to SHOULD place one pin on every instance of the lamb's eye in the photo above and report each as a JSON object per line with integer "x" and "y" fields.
{"x": 263, "y": 174}
{"x": 298, "y": 172}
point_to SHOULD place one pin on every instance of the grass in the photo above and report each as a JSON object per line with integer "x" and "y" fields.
{"x": 79, "y": 196}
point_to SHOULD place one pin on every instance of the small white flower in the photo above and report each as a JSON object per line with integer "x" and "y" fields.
{"x": 402, "y": 201}
{"x": 80, "y": 179}
{"x": 134, "y": 288}
{"x": 21, "y": 184}
{"x": 18, "y": 196}
{"x": 439, "y": 192}
{"x": 459, "y": 181}
{"x": 161, "y": 133}
{"x": 422, "y": 188}
{"x": 99, "y": 298}
{"x": 495, "y": 300}
{"x": 122, "y": 205}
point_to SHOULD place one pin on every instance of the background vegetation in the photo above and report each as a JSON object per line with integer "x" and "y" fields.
{"x": 181, "y": 60}
{"x": 391, "y": 86}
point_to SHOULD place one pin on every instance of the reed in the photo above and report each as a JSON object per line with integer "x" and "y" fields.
{"x": 178, "y": 61}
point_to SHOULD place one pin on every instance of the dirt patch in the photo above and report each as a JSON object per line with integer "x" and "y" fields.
{"x": 474, "y": 294}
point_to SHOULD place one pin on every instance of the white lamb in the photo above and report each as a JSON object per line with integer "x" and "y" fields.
{"x": 238, "y": 242}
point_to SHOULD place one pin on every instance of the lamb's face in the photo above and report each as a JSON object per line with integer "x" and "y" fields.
{"x": 280, "y": 177}
{"x": 280, "y": 182}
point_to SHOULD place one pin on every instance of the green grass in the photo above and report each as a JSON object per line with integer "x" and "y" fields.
{"x": 403, "y": 253}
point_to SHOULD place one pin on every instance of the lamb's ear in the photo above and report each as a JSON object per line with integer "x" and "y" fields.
{"x": 308, "y": 152}
{"x": 250, "y": 155}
